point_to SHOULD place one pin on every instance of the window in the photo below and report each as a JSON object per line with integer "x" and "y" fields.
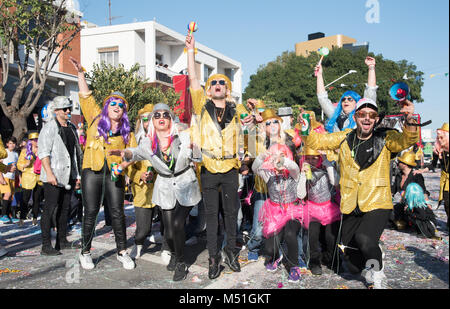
{"x": 230, "y": 74}
{"x": 109, "y": 55}
{"x": 207, "y": 71}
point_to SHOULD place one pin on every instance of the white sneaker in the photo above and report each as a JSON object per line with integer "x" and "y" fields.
{"x": 192, "y": 241}
{"x": 3, "y": 251}
{"x": 86, "y": 261}
{"x": 165, "y": 257}
{"x": 379, "y": 280}
{"x": 127, "y": 262}
{"x": 136, "y": 252}
{"x": 156, "y": 238}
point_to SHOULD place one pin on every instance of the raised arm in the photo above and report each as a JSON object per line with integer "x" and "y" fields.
{"x": 322, "y": 95}
{"x": 89, "y": 107}
{"x": 82, "y": 84}
{"x": 371, "y": 87}
{"x": 372, "y": 78}
{"x": 190, "y": 47}
{"x": 397, "y": 141}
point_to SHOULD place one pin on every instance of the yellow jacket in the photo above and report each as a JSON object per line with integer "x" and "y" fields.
{"x": 255, "y": 148}
{"x": 3, "y": 154}
{"x": 142, "y": 192}
{"x": 29, "y": 178}
{"x": 219, "y": 147}
{"x": 444, "y": 184}
{"x": 96, "y": 148}
{"x": 369, "y": 188}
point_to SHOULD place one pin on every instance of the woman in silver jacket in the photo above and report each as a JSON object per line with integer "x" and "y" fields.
{"x": 176, "y": 188}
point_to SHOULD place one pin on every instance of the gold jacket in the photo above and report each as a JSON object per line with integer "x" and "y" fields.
{"x": 369, "y": 188}
{"x": 3, "y": 154}
{"x": 29, "y": 178}
{"x": 219, "y": 147}
{"x": 96, "y": 148}
{"x": 444, "y": 184}
{"x": 142, "y": 192}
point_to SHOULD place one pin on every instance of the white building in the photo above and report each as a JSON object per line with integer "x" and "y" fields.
{"x": 159, "y": 51}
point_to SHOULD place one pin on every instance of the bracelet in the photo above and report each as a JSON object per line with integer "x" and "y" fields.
{"x": 372, "y": 67}
{"x": 190, "y": 50}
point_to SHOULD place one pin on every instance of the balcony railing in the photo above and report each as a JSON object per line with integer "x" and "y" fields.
{"x": 164, "y": 74}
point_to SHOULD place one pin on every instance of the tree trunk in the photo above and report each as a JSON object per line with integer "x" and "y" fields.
{"x": 20, "y": 126}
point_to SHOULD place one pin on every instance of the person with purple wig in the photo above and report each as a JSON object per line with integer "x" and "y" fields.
{"x": 108, "y": 128}
{"x": 27, "y": 164}
{"x": 341, "y": 116}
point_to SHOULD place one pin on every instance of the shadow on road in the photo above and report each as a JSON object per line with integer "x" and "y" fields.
{"x": 432, "y": 264}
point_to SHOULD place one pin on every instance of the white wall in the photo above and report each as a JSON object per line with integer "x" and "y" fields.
{"x": 164, "y": 50}
{"x": 179, "y": 58}
{"x": 139, "y": 48}
{"x": 126, "y": 41}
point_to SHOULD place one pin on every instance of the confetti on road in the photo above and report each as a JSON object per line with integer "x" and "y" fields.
{"x": 7, "y": 270}
{"x": 420, "y": 278}
{"x": 196, "y": 279}
{"x": 397, "y": 247}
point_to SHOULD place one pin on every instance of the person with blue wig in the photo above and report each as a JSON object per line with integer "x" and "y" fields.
{"x": 341, "y": 116}
{"x": 418, "y": 213}
{"x": 406, "y": 164}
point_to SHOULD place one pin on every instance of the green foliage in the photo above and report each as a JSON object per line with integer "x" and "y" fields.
{"x": 33, "y": 33}
{"x": 290, "y": 81}
{"x": 106, "y": 79}
{"x": 31, "y": 23}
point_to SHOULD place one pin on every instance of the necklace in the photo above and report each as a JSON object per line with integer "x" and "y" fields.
{"x": 168, "y": 157}
{"x": 220, "y": 114}
{"x": 357, "y": 146}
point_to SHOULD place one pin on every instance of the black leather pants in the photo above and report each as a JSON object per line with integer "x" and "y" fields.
{"x": 94, "y": 186}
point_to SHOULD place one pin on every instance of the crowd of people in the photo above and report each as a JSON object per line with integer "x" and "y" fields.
{"x": 313, "y": 195}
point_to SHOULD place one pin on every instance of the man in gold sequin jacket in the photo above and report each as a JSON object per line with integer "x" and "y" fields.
{"x": 366, "y": 203}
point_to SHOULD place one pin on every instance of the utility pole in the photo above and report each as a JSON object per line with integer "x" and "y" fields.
{"x": 110, "y": 19}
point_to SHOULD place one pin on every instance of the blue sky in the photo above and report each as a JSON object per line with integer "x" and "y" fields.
{"x": 256, "y": 32}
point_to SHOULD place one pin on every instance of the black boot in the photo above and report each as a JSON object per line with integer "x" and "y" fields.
{"x": 181, "y": 271}
{"x": 5, "y": 207}
{"x": 64, "y": 244}
{"x": 214, "y": 266}
{"x": 316, "y": 269}
{"x": 173, "y": 262}
{"x": 232, "y": 261}
{"x": 49, "y": 250}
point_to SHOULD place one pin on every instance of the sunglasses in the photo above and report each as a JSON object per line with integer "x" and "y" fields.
{"x": 361, "y": 114}
{"x": 164, "y": 115}
{"x": 145, "y": 119}
{"x": 65, "y": 109}
{"x": 221, "y": 82}
{"x": 268, "y": 123}
{"x": 114, "y": 103}
{"x": 350, "y": 99}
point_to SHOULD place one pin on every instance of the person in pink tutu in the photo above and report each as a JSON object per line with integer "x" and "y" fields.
{"x": 281, "y": 214}
{"x": 316, "y": 181}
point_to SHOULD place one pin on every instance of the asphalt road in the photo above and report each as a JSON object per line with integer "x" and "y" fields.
{"x": 411, "y": 262}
